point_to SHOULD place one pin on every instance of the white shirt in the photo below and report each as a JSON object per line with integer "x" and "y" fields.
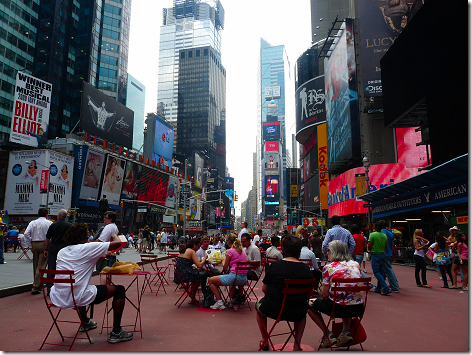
{"x": 164, "y": 237}
{"x": 200, "y": 253}
{"x": 108, "y": 231}
{"x": 37, "y": 229}
{"x": 25, "y": 242}
{"x": 306, "y": 253}
{"x": 222, "y": 246}
{"x": 256, "y": 239}
{"x": 254, "y": 254}
{"x": 82, "y": 259}
{"x": 244, "y": 230}
{"x": 273, "y": 252}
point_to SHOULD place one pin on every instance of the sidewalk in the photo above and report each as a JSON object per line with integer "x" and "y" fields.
{"x": 411, "y": 320}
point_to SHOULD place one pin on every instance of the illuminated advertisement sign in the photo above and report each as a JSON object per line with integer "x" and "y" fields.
{"x": 323, "y": 164}
{"x": 272, "y": 146}
{"x": 380, "y": 24}
{"x": 163, "y": 139}
{"x": 271, "y": 187}
{"x": 271, "y": 131}
{"x": 341, "y": 100}
{"x": 342, "y": 189}
{"x": 153, "y": 186}
{"x": 410, "y": 155}
{"x": 131, "y": 181}
{"x": 271, "y": 163}
{"x": 310, "y": 104}
{"x": 198, "y": 171}
{"x": 113, "y": 180}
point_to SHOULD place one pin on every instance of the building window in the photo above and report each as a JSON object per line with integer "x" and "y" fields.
{"x": 205, "y": 52}
{"x": 197, "y": 53}
{"x": 190, "y": 54}
{"x": 182, "y": 55}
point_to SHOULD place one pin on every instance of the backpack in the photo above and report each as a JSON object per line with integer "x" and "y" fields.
{"x": 208, "y": 297}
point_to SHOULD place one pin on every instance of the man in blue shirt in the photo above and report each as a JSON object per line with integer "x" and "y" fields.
{"x": 338, "y": 233}
{"x": 389, "y": 273}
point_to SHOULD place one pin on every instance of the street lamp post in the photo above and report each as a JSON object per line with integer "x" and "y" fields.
{"x": 49, "y": 180}
{"x": 366, "y": 163}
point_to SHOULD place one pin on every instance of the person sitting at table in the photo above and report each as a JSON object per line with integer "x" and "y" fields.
{"x": 185, "y": 261}
{"x": 347, "y": 304}
{"x": 234, "y": 254}
{"x": 295, "y": 307}
{"x": 12, "y": 237}
{"x": 272, "y": 251}
{"x": 81, "y": 256}
{"x": 201, "y": 253}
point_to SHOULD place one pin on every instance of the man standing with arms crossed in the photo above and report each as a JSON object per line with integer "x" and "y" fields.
{"x": 37, "y": 230}
{"x": 54, "y": 242}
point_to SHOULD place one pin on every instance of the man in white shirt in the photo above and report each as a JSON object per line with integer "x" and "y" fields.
{"x": 257, "y": 238}
{"x": 201, "y": 254}
{"x": 105, "y": 236}
{"x": 81, "y": 256}
{"x": 37, "y": 231}
{"x": 272, "y": 251}
{"x": 243, "y": 229}
{"x": 253, "y": 256}
{"x": 306, "y": 253}
{"x": 164, "y": 238}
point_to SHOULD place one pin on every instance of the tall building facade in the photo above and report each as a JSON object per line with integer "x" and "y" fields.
{"x": 188, "y": 24}
{"x": 201, "y": 117}
{"x": 135, "y": 100}
{"x": 18, "y": 33}
{"x": 273, "y": 78}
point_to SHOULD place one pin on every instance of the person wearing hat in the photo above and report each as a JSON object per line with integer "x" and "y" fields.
{"x": 451, "y": 240}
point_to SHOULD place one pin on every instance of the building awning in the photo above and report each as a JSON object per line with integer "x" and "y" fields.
{"x": 442, "y": 185}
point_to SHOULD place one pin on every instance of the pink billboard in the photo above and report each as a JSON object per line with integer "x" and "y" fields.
{"x": 410, "y": 155}
{"x": 342, "y": 189}
{"x": 272, "y": 146}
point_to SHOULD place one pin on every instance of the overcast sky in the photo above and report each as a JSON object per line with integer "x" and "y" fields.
{"x": 245, "y": 23}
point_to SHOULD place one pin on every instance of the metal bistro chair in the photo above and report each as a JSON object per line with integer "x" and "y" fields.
{"x": 316, "y": 285}
{"x": 157, "y": 272}
{"x": 24, "y": 251}
{"x": 241, "y": 266}
{"x": 187, "y": 286}
{"x": 50, "y": 306}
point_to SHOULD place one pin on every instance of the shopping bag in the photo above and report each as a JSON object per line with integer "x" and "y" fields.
{"x": 431, "y": 255}
{"x": 360, "y": 335}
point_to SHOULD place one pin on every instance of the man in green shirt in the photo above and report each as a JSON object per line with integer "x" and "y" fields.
{"x": 376, "y": 246}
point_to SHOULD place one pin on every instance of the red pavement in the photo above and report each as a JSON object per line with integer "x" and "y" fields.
{"x": 416, "y": 319}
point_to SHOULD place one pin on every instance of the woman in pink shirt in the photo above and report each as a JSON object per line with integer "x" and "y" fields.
{"x": 463, "y": 252}
{"x": 234, "y": 255}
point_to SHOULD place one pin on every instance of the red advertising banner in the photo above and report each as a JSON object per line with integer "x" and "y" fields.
{"x": 43, "y": 184}
{"x": 272, "y": 146}
{"x": 342, "y": 189}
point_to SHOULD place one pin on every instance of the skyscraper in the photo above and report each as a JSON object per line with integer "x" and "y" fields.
{"x": 202, "y": 106}
{"x": 135, "y": 100}
{"x": 273, "y": 82}
{"x": 188, "y": 24}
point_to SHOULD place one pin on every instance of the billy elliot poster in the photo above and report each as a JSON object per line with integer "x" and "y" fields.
{"x": 29, "y": 124}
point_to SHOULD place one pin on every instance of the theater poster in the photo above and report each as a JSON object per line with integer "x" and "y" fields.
{"x": 132, "y": 178}
{"x": 60, "y": 182}
{"x": 113, "y": 180}
{"x": 92, "y": 176}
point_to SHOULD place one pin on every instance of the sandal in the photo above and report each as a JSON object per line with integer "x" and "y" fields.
{"x": 265, "y": 347}
{"x": 427, "y": 286}
{"x": 454, "y": 287}
{"x": 419, "y": 285}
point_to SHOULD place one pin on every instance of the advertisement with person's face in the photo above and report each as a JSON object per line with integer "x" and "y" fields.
{"x": 60, "y": 184}
{"x": 381, "y": 21}
{"x": 113, "y": 180}
{"x": 131, "y": 181}
{"x": 92, "y": 176}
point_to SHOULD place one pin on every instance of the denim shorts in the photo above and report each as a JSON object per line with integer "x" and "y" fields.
{"x": 228, "y": 279}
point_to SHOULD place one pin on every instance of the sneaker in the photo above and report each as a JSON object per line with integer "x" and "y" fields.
{"x": 386, "y": 293}
{"x": 218, "y": 305}
{"x": 365, "y": 271}
{"x": 325, "y": 343}
{"x": 344, "y": 339}
{"x": 396, "y": 291}
{"x": 465, "y": 288}
{"x": 88, "y": 326}
{"x": 119, "y": 337}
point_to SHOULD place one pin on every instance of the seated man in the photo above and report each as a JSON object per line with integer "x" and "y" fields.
{"x": 12, "y": 237}
{"x": 265, "y": 244}
{"x": 296, "y": 304}
{"x": 253, "y": 256}
{"x": 211, "y": 271}
{"x": 81, "y": 256}
{"x": 272, "y": 251}
{"x": 308, "y": 254}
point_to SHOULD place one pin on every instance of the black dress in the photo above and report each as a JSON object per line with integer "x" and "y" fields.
{"x": 187, "y": 272}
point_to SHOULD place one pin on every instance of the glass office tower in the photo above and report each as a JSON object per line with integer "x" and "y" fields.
{"x": 273, "y": 77}
{"x": 135, "y": 101}
{"x": 188, "y": 24}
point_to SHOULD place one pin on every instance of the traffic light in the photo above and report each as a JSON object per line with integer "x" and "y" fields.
{"x": 276, "y": 211}
{"x": 235, "y": 197}
{"x": 121, "y": 204}
{"x": 68, "y": 213}
{"x": 222, "y": 205}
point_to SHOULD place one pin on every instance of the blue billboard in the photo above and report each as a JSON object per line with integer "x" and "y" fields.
{"x": 163, "y": 144}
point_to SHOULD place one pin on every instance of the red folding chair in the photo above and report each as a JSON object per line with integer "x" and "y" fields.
{"x": 348, "y": 285}
{"x": 309, "y": 263}
{"x": 263, "y": 260}
{"x": 292, "y": 286}
{"x": 270, "y": 260}
{"x": 157, "y": 273}
{"x": 171, "y": 254}
{"x": 55, "y": 321}
{"x": 187, "y": 286}
{"x": 251, "y": 283}
{"x": 240, "y": 266}
{"x": 24, "y": 251}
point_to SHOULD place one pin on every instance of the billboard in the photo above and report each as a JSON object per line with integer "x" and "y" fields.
{"x": 60, "y": 182}
{"x": 323, "y": 165}
{"x": 271, "y": 187}
{"x": 272, "y": 146}
{"x": 341, "y": 99}
{"x": 171, "y": 189}
{"x": 380, "y": 25}
{"x": 131, "y": 181}
{"x": 198, "y": 171}
{"x": 271, "y": 131}
{"x": 272, "y": 92}
{"x": 92, "y": 176}
{"x": 271, "y": 163}
{"x": 310, "y": 104}
{"x": 153, "y": 186}
{"x": 29, "y": 124}
{"x": 410, "y": 155}
{"x": 163, "y": 139}
{"x": 113, "y": 180}
{"x": 103, "y": 116}
{"x": 342, "y": 189}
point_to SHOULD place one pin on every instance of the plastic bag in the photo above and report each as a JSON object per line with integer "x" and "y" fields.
{"x": 122, "y": 267}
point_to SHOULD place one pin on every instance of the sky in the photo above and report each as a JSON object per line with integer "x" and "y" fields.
{"x": 245, "y": 23}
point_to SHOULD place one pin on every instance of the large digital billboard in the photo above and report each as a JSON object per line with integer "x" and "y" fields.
{"x": 272, "y": 188}
{"x": 163, "y": 139}
{"x": 310, "y": 104}
{"x": 342, "y": 189}
{"x": 103, "y": 116}
{"x": 341, "y": 100}
{"x": 380, "y": 24}
{"x": 153, "y": 186}
{"x": 198, "y": 171}
{"x": 113, "y": 180}
{"x": 272, "y": 163}
{"x": 271, "y": 131}
{"x": 131, "y": 181}
{"x": 29, "y": 124}
{"x": 408, "y": 153}
{"x": 272, "y": 146}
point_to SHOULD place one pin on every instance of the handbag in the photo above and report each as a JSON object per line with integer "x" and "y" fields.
{"x": 359, "y": 337}
{"x": 431, "y": 255}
